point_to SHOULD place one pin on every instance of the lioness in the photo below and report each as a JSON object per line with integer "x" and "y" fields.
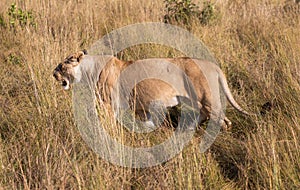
{"x": 204, "y": 76}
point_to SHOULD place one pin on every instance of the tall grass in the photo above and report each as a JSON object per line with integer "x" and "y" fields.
{"x": 257, "y": 45}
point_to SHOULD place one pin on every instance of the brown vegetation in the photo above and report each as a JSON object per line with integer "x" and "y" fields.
{"x": 256, "y": 43}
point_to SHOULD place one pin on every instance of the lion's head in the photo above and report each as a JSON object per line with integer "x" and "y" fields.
{"x": 65, "y": 71}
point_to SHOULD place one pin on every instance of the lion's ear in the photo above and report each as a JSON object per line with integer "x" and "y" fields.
{"x": 81, "y": 55}
{"x": 75, "y": 58}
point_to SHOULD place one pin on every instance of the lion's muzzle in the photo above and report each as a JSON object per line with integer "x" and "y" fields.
{"x": 64, "y": 81}
{"x": 57, "y": 75}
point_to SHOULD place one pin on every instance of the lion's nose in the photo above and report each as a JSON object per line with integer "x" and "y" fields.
{"x": 56, "y": 75}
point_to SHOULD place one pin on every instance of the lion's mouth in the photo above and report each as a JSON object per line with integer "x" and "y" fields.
{"x": 65, "y": 84}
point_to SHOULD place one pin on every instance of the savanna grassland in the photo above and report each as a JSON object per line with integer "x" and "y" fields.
{"x": 257, "y": 44}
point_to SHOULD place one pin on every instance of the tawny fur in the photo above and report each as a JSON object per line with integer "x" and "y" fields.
{"x": 153, "y": 89}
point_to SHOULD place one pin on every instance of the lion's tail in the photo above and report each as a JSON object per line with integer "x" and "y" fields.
{"x": 225, "y": 87}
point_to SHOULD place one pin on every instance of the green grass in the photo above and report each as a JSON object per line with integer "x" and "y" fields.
{"x": 257, "y": 45}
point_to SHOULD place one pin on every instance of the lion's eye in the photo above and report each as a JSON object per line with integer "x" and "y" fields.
{"x": 70, "y": 61}
{"x": 67, "y": 62}
{"x": 73, "y": 60}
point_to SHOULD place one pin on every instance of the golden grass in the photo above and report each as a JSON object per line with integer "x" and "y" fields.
{"x": 257, "y": 45}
